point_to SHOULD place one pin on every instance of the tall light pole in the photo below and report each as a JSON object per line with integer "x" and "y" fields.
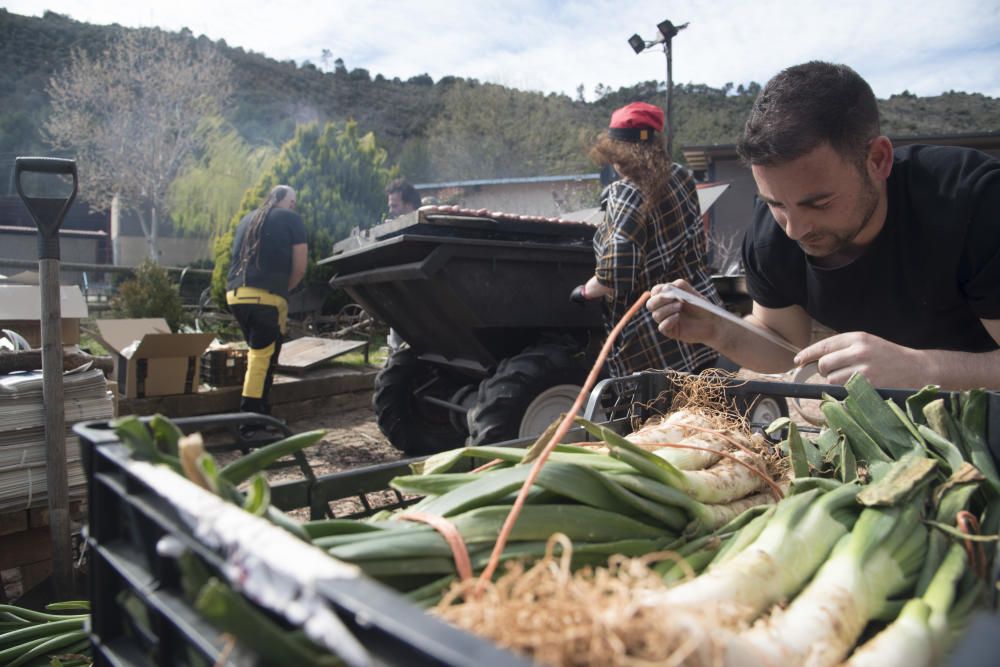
{"x": 667, "y": 32}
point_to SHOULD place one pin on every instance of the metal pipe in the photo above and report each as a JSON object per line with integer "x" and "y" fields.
{"x": 670, "y": 90}
{"x": 454, "y": 407}
{"x": 80, "y": 266}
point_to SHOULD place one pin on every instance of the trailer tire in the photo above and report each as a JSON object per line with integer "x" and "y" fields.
{"x": 762, "y": 409}
{"x": 544, "y": 372}
{"x": 412, "y": 426}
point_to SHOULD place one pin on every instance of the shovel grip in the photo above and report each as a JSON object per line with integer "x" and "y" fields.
{"x": 48, "y": 212}
{"x": 45, "y": 165}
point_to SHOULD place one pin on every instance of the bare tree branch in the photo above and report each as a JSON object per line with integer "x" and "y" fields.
{"x": 132, "y": 115}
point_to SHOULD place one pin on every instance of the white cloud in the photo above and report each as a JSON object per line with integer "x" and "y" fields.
{"x": 924, "y": 46}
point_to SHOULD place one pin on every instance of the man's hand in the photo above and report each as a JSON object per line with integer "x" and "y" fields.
{"x": 680, "y": 322}
{"x": 579, "y": 295}
{"x": 884, "y": 364}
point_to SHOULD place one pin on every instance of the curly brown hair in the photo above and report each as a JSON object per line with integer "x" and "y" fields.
{"x": 644, "y": 163}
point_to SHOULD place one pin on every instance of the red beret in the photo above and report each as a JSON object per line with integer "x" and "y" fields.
{"x": 633, "y": 122}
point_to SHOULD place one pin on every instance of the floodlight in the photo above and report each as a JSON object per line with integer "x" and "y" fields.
{"x": 667, "y": 29}
{"x": 637, "y": 43}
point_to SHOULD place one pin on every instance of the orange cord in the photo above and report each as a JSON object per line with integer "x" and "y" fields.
{"x": 451, "y": 535}
{"x": 564, "y": 427}
{"x": 487, "y": 466}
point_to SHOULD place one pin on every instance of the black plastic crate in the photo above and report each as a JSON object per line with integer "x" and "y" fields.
{"x": 224, "y": 367}
{"x": 142, "y": 517}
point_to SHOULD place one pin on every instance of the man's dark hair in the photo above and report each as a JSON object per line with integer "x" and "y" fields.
{"x": 407, "y": 192}
{"x": 805, "y": 106}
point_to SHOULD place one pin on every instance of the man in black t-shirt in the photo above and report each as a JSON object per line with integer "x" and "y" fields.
{"x": 897, "y": 249}
{"x": 268, "y": 260}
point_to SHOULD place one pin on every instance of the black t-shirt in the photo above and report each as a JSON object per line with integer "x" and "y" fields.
{"x": 929, "y": 276}
{"x": 282, "y": 229}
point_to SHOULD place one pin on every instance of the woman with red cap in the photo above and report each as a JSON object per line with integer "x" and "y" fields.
{"x": 651, "y": 234}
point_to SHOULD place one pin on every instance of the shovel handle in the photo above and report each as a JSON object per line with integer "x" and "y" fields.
{"x": 45, "y": 165}
{"x": 48, "y": 212}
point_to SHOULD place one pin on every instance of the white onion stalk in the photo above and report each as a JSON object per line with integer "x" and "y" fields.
{"x": 721, "y": 484}
{"x": 688, "y": 428}
{"x": 879, "y": 558}
{"x": 673, "y": 428}
{"x": 792, "y": 546}
{"x": 919, "y": 635}
{"x": 728, "y": 480}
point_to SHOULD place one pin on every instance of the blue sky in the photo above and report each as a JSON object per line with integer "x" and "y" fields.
{"x": 925, "y": 47}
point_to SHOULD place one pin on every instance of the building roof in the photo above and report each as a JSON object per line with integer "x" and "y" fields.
{"x": 508, "y": 181}
{"x": 21, "y": 229}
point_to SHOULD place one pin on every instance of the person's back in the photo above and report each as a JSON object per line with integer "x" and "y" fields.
{"x": 269, "y": 266}
{"x": 651, "y": 233}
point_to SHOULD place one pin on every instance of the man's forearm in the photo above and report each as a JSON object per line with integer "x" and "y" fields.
{"x": 962, "y": 370}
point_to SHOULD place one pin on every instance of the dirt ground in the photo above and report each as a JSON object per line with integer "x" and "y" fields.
{"x": 353, "y": 439}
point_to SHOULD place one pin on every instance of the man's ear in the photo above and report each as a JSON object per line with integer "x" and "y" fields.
{"x": 879, "y": 161}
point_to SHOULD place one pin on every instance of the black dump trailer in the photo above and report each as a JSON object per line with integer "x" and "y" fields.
{"x": 495, "y": 350}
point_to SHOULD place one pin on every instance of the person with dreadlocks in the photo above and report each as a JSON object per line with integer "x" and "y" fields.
{"x": 268, "y": 260}
{"x": 651, "y": 234}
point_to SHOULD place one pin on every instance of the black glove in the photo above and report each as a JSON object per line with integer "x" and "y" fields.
{"x": 577, "y": 295}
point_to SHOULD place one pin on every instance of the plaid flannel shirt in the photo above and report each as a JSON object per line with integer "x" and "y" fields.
{"x": 635, "y": 252}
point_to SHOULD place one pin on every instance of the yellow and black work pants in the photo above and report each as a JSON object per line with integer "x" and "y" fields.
{"x": 262, "y": 317}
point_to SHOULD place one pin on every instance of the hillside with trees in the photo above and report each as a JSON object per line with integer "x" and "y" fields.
{"x": 441, "y": 130}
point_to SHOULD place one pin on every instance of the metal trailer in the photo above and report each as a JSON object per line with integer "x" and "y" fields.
{"x": 494, "y": 348}
{"x": 138, "y": 526}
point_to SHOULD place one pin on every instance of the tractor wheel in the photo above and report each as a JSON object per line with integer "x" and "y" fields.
{"x": 762, "y": 409}
{"x": 466, "y": 397}
{"x": 412, "y": 425}
{"x": 527, "y": 393}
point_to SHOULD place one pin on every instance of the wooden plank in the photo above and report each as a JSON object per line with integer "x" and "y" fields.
{"x": 13, "y": 522}
{"x": 304, "y": 353}
{"x": 27, "y": 546}
{"x": 34, "y": 574}
{"x": 318, "y": 383}
{"x": 38, "y": 517}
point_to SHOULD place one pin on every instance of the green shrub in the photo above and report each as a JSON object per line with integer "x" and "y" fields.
{"x": 150, "y": 293}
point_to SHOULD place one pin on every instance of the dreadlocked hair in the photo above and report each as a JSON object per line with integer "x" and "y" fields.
{"x": 644, "y": 163}
{"x": 250, "y": 248}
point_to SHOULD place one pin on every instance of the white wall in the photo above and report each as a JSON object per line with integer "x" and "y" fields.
{"x": 173, "y": 251}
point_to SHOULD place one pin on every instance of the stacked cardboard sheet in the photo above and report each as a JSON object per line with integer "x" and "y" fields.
{"x": 22, "y": 433}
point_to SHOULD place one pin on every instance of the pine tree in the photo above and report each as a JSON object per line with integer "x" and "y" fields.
{"x": 339, "y": 177}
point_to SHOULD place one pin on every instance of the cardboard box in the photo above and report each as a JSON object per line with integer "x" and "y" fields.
{"x": 152, "y": 361}
{"x": 21, "y": 311}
